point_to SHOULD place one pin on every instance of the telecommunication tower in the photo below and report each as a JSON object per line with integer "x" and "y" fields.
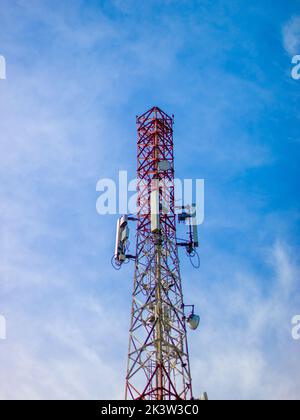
{"x": 158, "y": 356}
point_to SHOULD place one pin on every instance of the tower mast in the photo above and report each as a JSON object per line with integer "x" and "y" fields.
{"x": 158, "y": 357}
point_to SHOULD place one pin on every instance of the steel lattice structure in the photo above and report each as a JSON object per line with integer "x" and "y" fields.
{"x": 158, "y": 359}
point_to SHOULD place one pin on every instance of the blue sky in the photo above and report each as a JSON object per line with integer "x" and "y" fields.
{"x": 78, "y": 72}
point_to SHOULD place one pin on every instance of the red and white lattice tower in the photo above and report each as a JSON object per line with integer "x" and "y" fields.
{"x": 158, "y": 358}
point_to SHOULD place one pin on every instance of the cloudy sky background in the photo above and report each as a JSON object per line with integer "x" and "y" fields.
{"x": 78, "y": 72}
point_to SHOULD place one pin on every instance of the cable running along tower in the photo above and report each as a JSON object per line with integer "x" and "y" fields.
{"x": 158, "y": 357}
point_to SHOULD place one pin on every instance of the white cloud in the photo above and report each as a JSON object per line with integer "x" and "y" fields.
{"x": 77, "y": 366}
{"x": 291, "y": 36}
{"x": 245, "y": 349}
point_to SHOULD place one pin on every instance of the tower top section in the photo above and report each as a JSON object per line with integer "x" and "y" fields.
{"x": 154, "y": 113}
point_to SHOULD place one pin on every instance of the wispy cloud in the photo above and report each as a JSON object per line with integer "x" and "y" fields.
{"x": 254, "y": 358}
{"x": 291, "y": 36}
{"x": 56, "y": 358}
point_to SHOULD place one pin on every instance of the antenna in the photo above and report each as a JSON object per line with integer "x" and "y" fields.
{"x": 188, "y": 215}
